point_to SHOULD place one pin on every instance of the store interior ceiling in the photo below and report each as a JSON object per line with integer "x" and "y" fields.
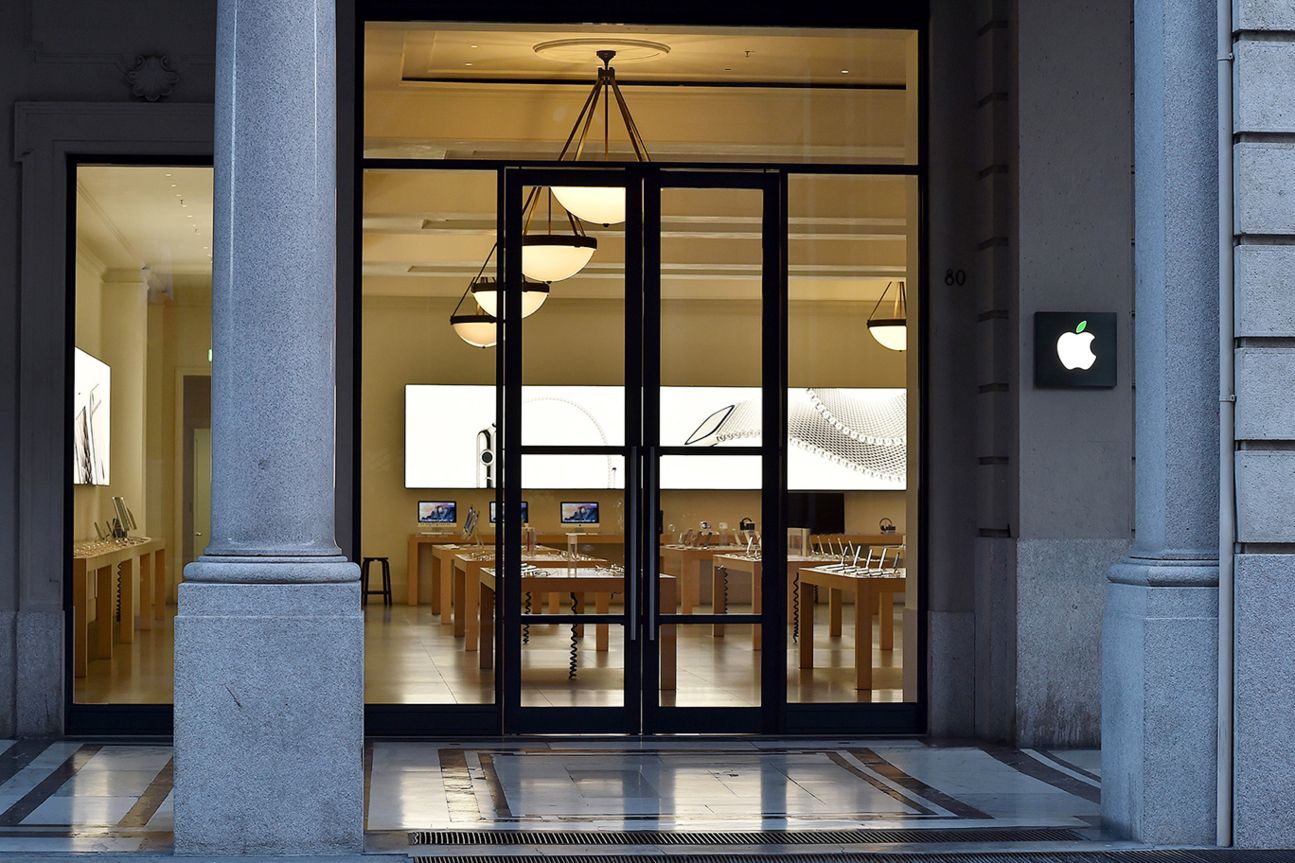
{"x": 427, "y": 233}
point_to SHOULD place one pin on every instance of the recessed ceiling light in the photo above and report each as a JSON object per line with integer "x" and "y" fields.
{"x": 845, "y": 71}
{"x": 467, "y": 64}
{"x": 168, "y": 175}
{"x": 472, "y": 46}
{"x": 190, "y": 216}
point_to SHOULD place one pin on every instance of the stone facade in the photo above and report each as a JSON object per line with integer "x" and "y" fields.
{"x": 1029, "y": 199}
{"x": 1264, "y": 228}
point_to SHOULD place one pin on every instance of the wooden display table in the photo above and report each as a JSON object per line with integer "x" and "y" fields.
{"x": 467, "y": 566}
{"x": 686, "y": 561}
{"x": 136, "y": 560}
{"x": 872, "y": 590}
{"x": 750, "y": 566}
{"x": 603, "y": 584}
{"x": 440, "y": 584}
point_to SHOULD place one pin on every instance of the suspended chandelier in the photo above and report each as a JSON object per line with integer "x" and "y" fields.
{"x": 891, "y": 331}
{"x": 602, "y": 205}
{"x": 552, "y": 257}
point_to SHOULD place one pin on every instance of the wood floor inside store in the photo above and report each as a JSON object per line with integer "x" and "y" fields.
{"x": 410, "y": 658}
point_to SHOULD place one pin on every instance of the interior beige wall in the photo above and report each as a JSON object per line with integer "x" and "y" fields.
{"x": 407, "y": 340}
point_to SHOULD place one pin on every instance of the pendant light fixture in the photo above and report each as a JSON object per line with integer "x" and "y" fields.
{"x": 485, "y": 291}
{"x": 477, "y": 328}
{"x": 550, "y": 257}
{"x": 891, "y": 331}
{"x": 602, "y": 205}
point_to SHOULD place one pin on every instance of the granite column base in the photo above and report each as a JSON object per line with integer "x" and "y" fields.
{"x": 269, "y": 716}
{"x": 1159, "y": 709}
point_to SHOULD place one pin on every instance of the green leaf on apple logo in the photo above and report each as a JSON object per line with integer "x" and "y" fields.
{"x": 1082, "y": 325}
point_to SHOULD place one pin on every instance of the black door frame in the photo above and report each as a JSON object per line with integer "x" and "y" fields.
{"x": 640, "y": 620}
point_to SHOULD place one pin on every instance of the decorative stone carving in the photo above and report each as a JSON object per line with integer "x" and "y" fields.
{"x": 152, "y": 78}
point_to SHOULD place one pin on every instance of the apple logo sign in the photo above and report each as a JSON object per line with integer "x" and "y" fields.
{"x": 1075, "y": 349}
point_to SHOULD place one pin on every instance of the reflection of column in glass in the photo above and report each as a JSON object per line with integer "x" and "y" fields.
{"x": 486, "y": 457}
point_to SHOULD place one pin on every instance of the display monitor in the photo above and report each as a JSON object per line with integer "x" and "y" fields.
{"x": 525, "y": 513}
{"x": 438, "y": 512}
{"x": 580, "y": 512}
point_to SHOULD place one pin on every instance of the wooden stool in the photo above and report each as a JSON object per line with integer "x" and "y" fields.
{"x": 385, "y": 593}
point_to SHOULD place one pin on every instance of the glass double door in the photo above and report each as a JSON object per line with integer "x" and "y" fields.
{"x": 640, "y": 363}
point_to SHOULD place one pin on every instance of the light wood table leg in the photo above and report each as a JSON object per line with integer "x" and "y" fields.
{"x": 486, "y": 629}
{"x": 690, "y": 588}
{"x": 835, "y": 600}
{"x": 668, "y": 636}
{"x": 460, "y": 599}
{"x": 103, "y": 612}
{"x": 126, "y": 626}
{"x": 862, "y": 636}
{"x": 161, "y": 586}
{"x": 555, "y": 603}
{"x": 437, "y": 575}
{"x": 578, "y": 607}
{"x": 602, "y": 605}
{"x": 146, "y": 591}
{"x": 471, "y": 604}
{"x": 806, "y": 625}
{"x": 411, "y": 573}
{"x": 80, "y": 619}
{"x": 448, "y": 581}
{"x": 886, "y": 618}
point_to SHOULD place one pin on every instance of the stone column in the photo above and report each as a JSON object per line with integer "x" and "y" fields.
{"x": 1159, "y": 638}
{"x": 269, "y": 642}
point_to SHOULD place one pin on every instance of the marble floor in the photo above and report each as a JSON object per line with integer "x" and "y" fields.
{"x": 410, "y": 658}
{"x": 67, "y": 796}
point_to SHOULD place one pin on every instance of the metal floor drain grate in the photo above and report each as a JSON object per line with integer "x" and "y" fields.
{"x": 1209, "y": 855}
{"x": 764, "y": 837}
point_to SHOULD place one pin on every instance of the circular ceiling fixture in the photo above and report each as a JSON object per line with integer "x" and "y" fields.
{"x": 577, "y": 50}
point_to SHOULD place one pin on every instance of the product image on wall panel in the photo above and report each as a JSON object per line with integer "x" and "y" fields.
{"x": 91, "y": 383}
{"x": 839, "y": 439}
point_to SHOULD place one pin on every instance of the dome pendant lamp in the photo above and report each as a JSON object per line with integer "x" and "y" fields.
{"x": 550, "y": 257}
{"x": 478, "y": 328}
{"x": 602, "y": 205}
{"x": 891, "y": 329}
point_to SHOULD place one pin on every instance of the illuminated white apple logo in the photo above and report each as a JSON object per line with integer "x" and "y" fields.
{"x": 1075, "y": 350}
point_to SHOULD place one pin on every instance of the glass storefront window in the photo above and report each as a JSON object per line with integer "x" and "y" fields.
{"x": 141, "y": 420}
{"x": 852, "y": 456}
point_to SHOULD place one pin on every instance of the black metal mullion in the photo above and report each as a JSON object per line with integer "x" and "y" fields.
{"x": 773, "y": 662}
{"x": 502, "y": 473}
{"x": 633, "y": 496}
{"x": 510, "y": 345}
{"x": 651, "y": 359}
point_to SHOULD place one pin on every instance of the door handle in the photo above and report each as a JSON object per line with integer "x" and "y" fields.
{"x": 633, "y": 545}
{"x": 652, "y": 553}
